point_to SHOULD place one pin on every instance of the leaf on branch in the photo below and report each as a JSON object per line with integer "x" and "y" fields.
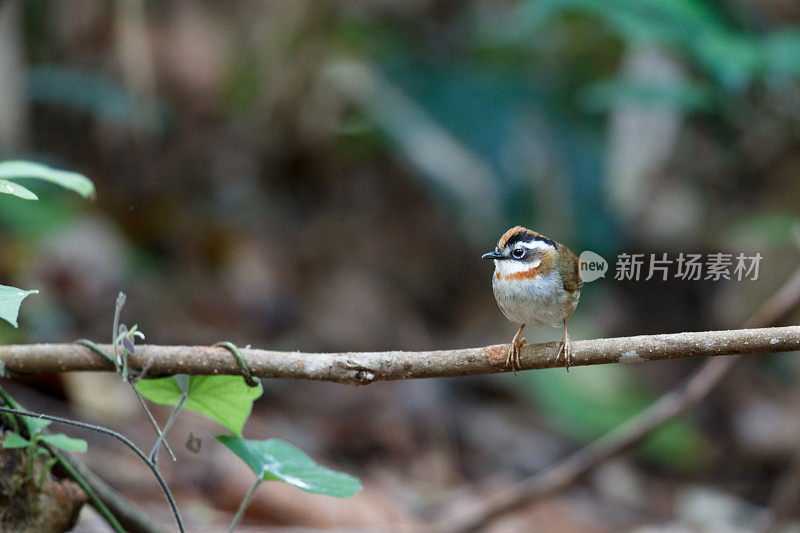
{"x": 15, "y": 189}
{"x": 68, "y": 444}
{"x": 15, "y": 440}
{"x": 16, "y": 170}
{"x": 35, "y": 425}
{"x": 225, "y": 399}
{"x": 277, "y": 460}
{"x": 10, "y": 300}
{"x": 183, "y": 381}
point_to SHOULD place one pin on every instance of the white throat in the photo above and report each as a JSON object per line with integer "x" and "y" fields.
{"x": 507, "y": 267}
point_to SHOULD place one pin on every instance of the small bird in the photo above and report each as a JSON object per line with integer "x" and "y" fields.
{"x": 536, "y": 281}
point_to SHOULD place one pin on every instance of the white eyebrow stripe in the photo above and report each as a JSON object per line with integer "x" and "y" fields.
{"x": 536, "y": 245}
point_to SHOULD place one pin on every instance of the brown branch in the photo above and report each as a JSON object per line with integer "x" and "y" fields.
{"x": 367, "y": 367}
{"x": 668, "y": 407}
{"x": 132, "y": 518}
{"x": 364, "y": 368}
{"x": 568, "y": 471}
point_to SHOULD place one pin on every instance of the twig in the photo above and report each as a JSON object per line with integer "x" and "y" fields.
{"x": 566, "y": 472}
{"x": 119, "y": 437}
{"x": 153, "y": 422}
{"x": 133, "y": 519}
{"x": 786, "y": 494}
{"x": 367, "y": 367}
{"x": 621, "y": 438}
{"x": 67, "y": 465}
{"x": 131, "y": 381}
{"x": 162, "y": 434}
{"x": 247, "y": 499}
{"x": 117, "y": 311}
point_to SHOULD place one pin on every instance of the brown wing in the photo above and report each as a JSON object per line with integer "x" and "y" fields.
{"x": 569, "y": 269}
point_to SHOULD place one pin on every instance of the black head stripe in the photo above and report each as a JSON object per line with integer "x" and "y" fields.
{"x": 525, "y": 235}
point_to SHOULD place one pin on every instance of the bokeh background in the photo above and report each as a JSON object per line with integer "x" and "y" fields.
{"x": 324, "y": 176}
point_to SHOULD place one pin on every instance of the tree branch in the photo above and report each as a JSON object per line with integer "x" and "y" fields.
{"x": 671, "y": 405}
{"x": 367, "y": 367}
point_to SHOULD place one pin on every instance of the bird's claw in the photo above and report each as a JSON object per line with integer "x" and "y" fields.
{"x": 513, "y": 354}
{"x": 566, "y": 350}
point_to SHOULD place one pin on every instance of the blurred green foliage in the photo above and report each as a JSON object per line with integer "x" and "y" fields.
{"x": 95, "y": 94}
{"x": 527, "y": 86}
{"x": 10, "y": 173}
{"x": 588, "y": 402}
{"x": 767, "y": 229}
{"x": 734, "y": 57}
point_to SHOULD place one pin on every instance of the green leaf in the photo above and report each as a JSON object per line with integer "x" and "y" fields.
{"x": 610, "y": 94}
{"x": 35, "y": 425}
{"x": 781, "y": 50}
{"x": 16, "y": 170}
{"x": 735, "y": 60}
{"x": 15, "y": 189}
{"x": 15, "y": 440}
{"x": 277, "y": 460}
{"x": 765, "y": 229}
{"x": 59, "y": 440}
{"x": 664, "y": 21}
{"x": 183, "y": 382}
{"x": 90, "y": 92}
{"x": 21, "y": 220}
{"x": 226, "y": 399}
{"x": 10, "y": 300}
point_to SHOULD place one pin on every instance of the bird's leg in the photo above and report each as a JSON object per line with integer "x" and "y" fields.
{"x": 565, "y": 349}
{"x": 513, "y": 350}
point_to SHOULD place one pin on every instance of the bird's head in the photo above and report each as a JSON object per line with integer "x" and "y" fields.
{"x": 523, "y": 253}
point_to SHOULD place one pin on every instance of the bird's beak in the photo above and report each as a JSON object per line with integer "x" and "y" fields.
{"x": 492, "y": 255}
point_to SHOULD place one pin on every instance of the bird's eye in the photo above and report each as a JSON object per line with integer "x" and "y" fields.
{"x": 518, "y": 253}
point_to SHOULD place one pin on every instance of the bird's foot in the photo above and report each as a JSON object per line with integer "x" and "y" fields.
{"x": 513, "y": 351}
{"x": 566, "y": 351}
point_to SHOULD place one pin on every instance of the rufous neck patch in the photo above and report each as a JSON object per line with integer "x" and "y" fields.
{"x": 531, "y": 273}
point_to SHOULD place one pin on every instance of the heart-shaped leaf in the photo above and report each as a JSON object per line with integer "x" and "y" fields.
{"x": 183, "y": 382}
{"x": 10, "y": 300}
{"x": 277, "y": 460}
{"x": 15, "y": 440}
{"x": 226, "y": 399}
{"x": 59, "y": 440}
{"x": 35, "y": 425}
